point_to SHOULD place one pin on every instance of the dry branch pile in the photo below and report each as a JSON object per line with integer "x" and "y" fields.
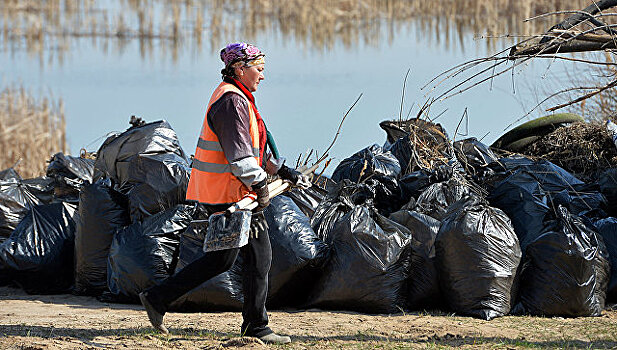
{"x": 581, "y": 148}
{"x": 426, "y": 142}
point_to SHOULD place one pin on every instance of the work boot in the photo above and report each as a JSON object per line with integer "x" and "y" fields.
{"x": 274, "y": 338}
{"x": 155, "y": 317}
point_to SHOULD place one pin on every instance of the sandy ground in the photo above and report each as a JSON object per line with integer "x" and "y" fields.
{"x": 72, "y": 322}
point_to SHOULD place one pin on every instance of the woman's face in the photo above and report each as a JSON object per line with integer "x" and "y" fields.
{"x": 251, "y": 76}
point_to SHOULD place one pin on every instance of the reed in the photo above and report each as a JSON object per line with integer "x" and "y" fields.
{"x": 31, "y": 131}
{"x": 316, "y": 24}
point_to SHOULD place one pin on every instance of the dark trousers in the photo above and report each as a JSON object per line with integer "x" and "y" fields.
{"x": 256, "y": 257}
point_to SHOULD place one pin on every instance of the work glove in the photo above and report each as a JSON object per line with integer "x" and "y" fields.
{"x": 258, "y": 224}
{"x": 294, "y": 176}
{"x": 263, "y": 195}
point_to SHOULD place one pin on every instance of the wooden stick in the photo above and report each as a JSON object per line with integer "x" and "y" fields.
{"x": 275, "y": 188}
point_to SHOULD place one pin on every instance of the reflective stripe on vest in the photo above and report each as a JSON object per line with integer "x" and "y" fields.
{"x": 212, "y": 181}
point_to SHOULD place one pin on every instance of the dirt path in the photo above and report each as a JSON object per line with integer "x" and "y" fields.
{"x": 72, "y": 322}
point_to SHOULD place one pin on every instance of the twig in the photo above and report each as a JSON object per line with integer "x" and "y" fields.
{"x": 464, "y": 116}
{"x": 463, "y": 67}
{"x": 485, "y": 135}
{"x": 338, "y": 131}
{"x": 546, "y": 99}
{"x": 298, "y": 161}
{"x": 584, "y": 97}
{"x": 439, "y": 115}
{"x": 447, "y": 94}
{"x": 400, "y": 116}
{"x": 324, "y": 169}
{"x": 306, "y": 159}
{"x": 580, "y": 60}
{"x": 571, "y": 12}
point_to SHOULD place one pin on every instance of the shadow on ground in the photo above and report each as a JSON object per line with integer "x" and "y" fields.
{"x": 87, "y": 335}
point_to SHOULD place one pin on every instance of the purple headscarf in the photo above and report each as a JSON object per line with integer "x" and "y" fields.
{"x": 239, "y": 52}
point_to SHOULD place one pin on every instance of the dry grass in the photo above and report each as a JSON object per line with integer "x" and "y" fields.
{"x": 581, "y": 148}
{"x": 30, "y": 131}
{"x": 425, "y": 142}
{"x": 318, "y": 24}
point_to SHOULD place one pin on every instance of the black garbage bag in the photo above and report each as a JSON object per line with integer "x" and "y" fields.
{"x": 438, "y": 197}
{"x": 368, "y": 266}
{"x": 61, "y": 165}
{"x": 367, "y": 163}
{"x": 102, "y": 211}
{"x": 608, "y": 186}
{"x": 563, "y": 188}
{"x": 41, "y": 187}
{"x": 332, "y": 208}
{"x": 500, "y": 169}
{"x": 565, "y": 270}
{"x": 478, "y": 255}
{"x": 307, "y": 199}
{"x": 386, "y": 194}
{"x": 342, "y": 197}
{"x": 297, "y": 253}
{"x": 413, "y": 184}
{"x": 70, "y": 175}
{"x": 117, "y": 152}
{"x": 580, "y": 198}
{"x": 531, "y": 193}
{"x": 524, "y": 201}
{"x": 474, "y": 156}
{"x": 473, "y": 153}
{"x": 423, "y": 284}
{"x": 221, "y": 293}
{"x": 17, "y": 197}
{"x": 545, "y": 171}
{"x": 607, "y": 228}
{"x": 9, "y": 174}
{"x": 39, "y": 253}
{"x": 155, "y": 183}
{"x": 551, "y": 176}
{"x": 6, "y": 276}
{"x": 15, "y": 201}
{"x": 143, "y": 253}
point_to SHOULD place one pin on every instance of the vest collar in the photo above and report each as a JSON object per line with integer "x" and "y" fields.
{"x": 240, "y": 86}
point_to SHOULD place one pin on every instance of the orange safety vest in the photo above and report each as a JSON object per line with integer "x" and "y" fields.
{"x": 212, "y": 181}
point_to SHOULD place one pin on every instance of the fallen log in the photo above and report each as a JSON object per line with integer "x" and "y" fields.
{"x": 587, "y": 14}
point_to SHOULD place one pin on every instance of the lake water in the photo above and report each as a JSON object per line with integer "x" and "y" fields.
{"x": 303, "y": 98}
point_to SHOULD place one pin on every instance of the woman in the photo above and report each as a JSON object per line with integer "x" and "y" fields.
{"x": 231, "y": 162}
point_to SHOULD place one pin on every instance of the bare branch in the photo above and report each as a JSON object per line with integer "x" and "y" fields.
{"x": 400, "y": 116}
{"x": 546, "y": 99}
{"x": 584, "y": 97}
{"x": 338, "y": 131}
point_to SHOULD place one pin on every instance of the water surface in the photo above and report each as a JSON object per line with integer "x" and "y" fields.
{"x": 307, "y": 89}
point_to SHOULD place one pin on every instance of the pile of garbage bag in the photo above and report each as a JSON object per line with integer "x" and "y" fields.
{"x": 418, "y": 223}
{"x": 38, "y": 255}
